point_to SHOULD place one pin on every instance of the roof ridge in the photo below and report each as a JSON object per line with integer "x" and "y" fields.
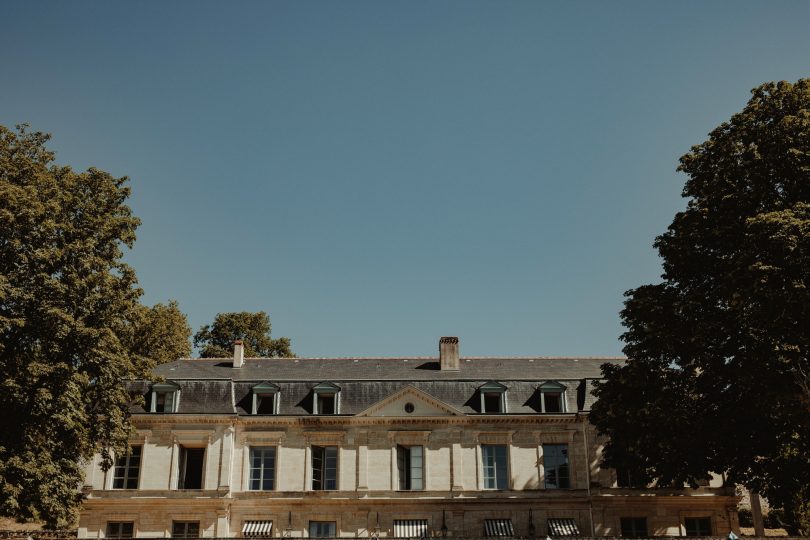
{"x": 436, "y": 358}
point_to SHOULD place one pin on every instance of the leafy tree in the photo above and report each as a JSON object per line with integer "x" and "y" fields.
{"x": 161, "y": 333}
{"x": 216, "y": 340}
{"x": 717, "y": 371}
{"x": 66, "y": 303}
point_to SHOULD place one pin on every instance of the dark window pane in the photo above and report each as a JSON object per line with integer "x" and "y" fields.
{"x": 191, "y": 468}
{"x": 701, "y": 526}
{"x": 492, "y": 402}
{"x": 555, "y": 461}
{"x": 496, "y": 466}
{"x": 265, "y": 404}
{"x": 552, "y": 402}
{"x": 634, "y": 527}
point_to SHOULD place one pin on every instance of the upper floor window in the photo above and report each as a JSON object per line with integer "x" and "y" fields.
{"x": 552, "y": 397}
{"x": 555, "y": 461}
{"x": 165, "y": 398}
{"x": 496, "y": 466}
{"x": 191, "y": 462}
{"x": 262, "y": 467}
{"x": 127, "y": 469}
{"x": 324, "y": 467}
{"x": 326, "y": 399}
{"x": 410, "y": 466}
{"x": 493, "y": 397}
{"x": 265, "y": 398}
{"x": 119, "y": 530}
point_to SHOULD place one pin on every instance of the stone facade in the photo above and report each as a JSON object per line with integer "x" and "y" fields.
{"x": 454, "y": 499}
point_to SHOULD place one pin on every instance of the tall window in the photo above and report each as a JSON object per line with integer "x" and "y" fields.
{"x": 265, "y": 398}
{"x": 165, "y": 398}
{"x": 127, "y": 469}
{"x": 119, "y": 530}
{"x": 324, "y": 467}
{"x": 191, "y": 462}
{"x": 326, "y": 399}
{"x": 698, "y": 526}
{"x": 410, "y": 466}
{"x": 555, "y": 460}
{"x": 185, "y": 529}
{"x": 262, "y": 467}
{"x": 493, "y": 397}
{"x": 322, "y": 529}
{"x": 634, "y": 527}
{"x": 552, "y": 398}
{"x": 496, "y": 466}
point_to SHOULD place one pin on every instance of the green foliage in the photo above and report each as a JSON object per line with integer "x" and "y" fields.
{"x": 717, "y": 376}
{"x": 66, "y": 302}
{"x": 216, "y": 340}
{"x": 161, "y": 333}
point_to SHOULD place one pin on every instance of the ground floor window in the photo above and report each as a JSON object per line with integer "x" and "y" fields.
{"x": 185, "y": 529}
{"x": 634, "y": 527}
{"x": 563, "y": 527}
{"x": 257, "y": 529}
{"x": 119, "y": 529}
{"x": 698, "y": 526}
{"x": 410, "y": 528}
{"x": 322, "y": 529}
{"x": 498, "y": 527}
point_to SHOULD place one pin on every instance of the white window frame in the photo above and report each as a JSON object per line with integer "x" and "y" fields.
{"x": 507, "y": 468}
{"x": 126, "y": 467}
{"x": 250, "y": 467}
{"x": 492, "y": 387}
{"x": 326, "y": 388}
{"x": 409, "y": 466}
{"x": 552, "y": 387}
{"x": 263, "y": 390}
{"x": 311, "y": 466}
{"x": 169, "y": 389}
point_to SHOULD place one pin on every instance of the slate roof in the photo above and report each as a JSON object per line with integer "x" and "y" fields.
{"x": 214, "y": 386}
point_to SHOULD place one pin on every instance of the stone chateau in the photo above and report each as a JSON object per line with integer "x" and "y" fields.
{"x": 388, "y": 447}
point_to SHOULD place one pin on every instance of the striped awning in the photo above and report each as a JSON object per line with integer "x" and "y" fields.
{"x": 498, "y": 527}
{"x": 257, "y": 528}
{"x": 410, "y": 528}
{"x": 563, "y": 527}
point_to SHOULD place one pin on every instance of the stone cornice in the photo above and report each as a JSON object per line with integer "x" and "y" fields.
{"x": 143, "y": 421}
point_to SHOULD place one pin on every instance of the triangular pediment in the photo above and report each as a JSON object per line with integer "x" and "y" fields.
{"x": 400, "y": 402}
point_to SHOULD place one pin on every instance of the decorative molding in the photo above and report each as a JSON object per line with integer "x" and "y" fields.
{"x": 254, "y": 437}
{"x": 409, "y": 437}
{"x": 416, "y": 393}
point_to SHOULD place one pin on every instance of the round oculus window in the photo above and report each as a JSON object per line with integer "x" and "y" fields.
{"x": 409, "y": 408}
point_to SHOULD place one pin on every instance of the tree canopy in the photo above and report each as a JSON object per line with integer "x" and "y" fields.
{"x": 67, "y": 302}
{"x": 161, "y": 333}
{"x": 717, "y": 370}
{"x": 216, "y": 340}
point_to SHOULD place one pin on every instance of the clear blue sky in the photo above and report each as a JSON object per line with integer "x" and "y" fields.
{"x": 378, "y": 174}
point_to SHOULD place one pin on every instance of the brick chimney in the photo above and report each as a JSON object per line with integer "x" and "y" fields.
{"x": 238, "y": 353}
{"x": 448, "y": 353}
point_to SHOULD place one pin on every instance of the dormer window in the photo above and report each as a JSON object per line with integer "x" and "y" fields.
{"x": 552, "y": 397}
{"x": 165, "y": 398}
{"x": 326, "y": 399}
{"x": 265, "y": 398}
{"x": 493, "y": 397}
